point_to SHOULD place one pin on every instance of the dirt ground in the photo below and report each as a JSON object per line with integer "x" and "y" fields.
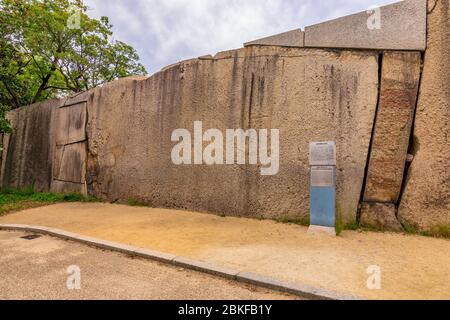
{"x": 412, "y": 267}
{"x": 38, "y": 269}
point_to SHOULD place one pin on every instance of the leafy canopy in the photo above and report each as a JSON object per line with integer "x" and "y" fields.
{"x": 51, "y": 48}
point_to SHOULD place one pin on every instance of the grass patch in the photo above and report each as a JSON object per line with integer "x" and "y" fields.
{"x": 409, "y": 228}
{"x": 437, "y": 231}
{"x": 12, "y": 200}
{"x": 137, "y": 203}
{"x": 441, "y": 231}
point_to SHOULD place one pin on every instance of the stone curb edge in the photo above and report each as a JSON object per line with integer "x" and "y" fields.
{"x": 240, "y": 276}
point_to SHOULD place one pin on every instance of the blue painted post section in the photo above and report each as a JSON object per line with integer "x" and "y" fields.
{"x": 322, "y": 158}
{"x": 323, "y": 203}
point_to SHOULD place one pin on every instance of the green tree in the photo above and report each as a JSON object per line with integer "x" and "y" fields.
{"x": 52, "y": 48}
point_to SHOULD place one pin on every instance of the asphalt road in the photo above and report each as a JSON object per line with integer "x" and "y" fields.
{"x": 45, "y": 268}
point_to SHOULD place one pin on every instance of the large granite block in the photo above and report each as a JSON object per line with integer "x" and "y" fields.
{"x": 71, "y": 124}
{"x": 426, "y": 201}
{"x": 28, "y": 151}
{"x": 402, "y": 27}
{"x": 70, "y": 163}
{"x": 398, "y": 95}
{"x": 380, "y": 216}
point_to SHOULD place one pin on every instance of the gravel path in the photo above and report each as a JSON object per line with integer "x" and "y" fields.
{"x": 412, "y": 267}
{"x": 38, "y": 269}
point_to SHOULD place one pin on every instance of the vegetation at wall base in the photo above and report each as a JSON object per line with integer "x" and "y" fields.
{"x": 138, "y": 203}
{"x": 13, "y": 200}
{"x": 436, "y": 231}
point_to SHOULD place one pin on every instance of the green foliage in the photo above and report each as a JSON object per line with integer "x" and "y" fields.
{"x": 136, "y": 203}
{"x": 46, "y": 53}
{"x": 436, "y": 231}
{"x": 5, "y": 125}
{"x": 18, "y": 199}
{"x": 441, "y": 231}
{"x": 302, "y": 221}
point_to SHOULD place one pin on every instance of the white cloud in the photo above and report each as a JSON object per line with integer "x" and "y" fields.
{"x": 167, "y": 31}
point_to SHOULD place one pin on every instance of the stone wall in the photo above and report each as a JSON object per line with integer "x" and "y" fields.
{"x": 425, "y": 204}
{"x": 114, "y": 142}
{"x": 308, "y": 94}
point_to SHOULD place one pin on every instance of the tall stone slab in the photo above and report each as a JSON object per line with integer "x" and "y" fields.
{"x": 70, "y": 156}
{"x": 399, "y": 26}
{"x": 425, "y": 204}
{"x": 28, "y": 151}
{"x": 71, "y": 124}
{"x": 398, "y": 95}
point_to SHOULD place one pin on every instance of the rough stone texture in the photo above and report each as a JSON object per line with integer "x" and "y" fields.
{"x": 426, "y": 200}
{"x": 308, "y": 94}
{"x": 380, "y": 216}
{"x": 1, "y": 151}
{"x": 28, "y": 152}
{"x": 70, "y": 163}
{"x": 293, "y": 38}
{"x": 403, "y": 27}
{"x": 71, "y": 124}
{"x": 5, "y": 145}
{"x": 398, "y": 96}
{"x": 70, "y": 160}
{"x": 68, "y": 187}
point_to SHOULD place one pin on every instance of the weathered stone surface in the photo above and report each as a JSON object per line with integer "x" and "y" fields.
{"x": 398, "y": 95}
{"x": 426, "y": 200}
{"x": 309, "y": 95}
{"x": 5, "y": 145}
{"x": 68, "y": 187}
{"x": 1, "y": 152}
{"x": 293, "y": 38}
{"x": 402, "y": 27}
{"x": 231, "y": 54}
{"x": 177, "y": 64}
{"x": 70, "y": 163}
{"x": 27, "y": 158}
{"x": 71, "y": 124}
{"x": 380, "y": 216}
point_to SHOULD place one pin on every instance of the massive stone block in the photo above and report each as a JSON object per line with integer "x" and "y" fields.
{"x": 402, "y": 27}
{"x": 307, "y": 94}
{"x": 398, "y": 95}
{"x": 426, "y": 200}
{"x": 70, "y": 160}
{"x": 28, "y": 152}
{"x": 71, "y": 124}
{"x": 70, "y": 163}
{"x": 294, "y": 38}
{"x": 380, "y": 216}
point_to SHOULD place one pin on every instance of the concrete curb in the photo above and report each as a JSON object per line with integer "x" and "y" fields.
{"x": 241, "y": 276}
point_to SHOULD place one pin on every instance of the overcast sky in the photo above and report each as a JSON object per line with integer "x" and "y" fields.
{"x": 166, "y": 31}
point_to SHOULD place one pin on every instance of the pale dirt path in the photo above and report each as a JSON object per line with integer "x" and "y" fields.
{"x": 413, "y": 267}
{"x": 37, "y": 269}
